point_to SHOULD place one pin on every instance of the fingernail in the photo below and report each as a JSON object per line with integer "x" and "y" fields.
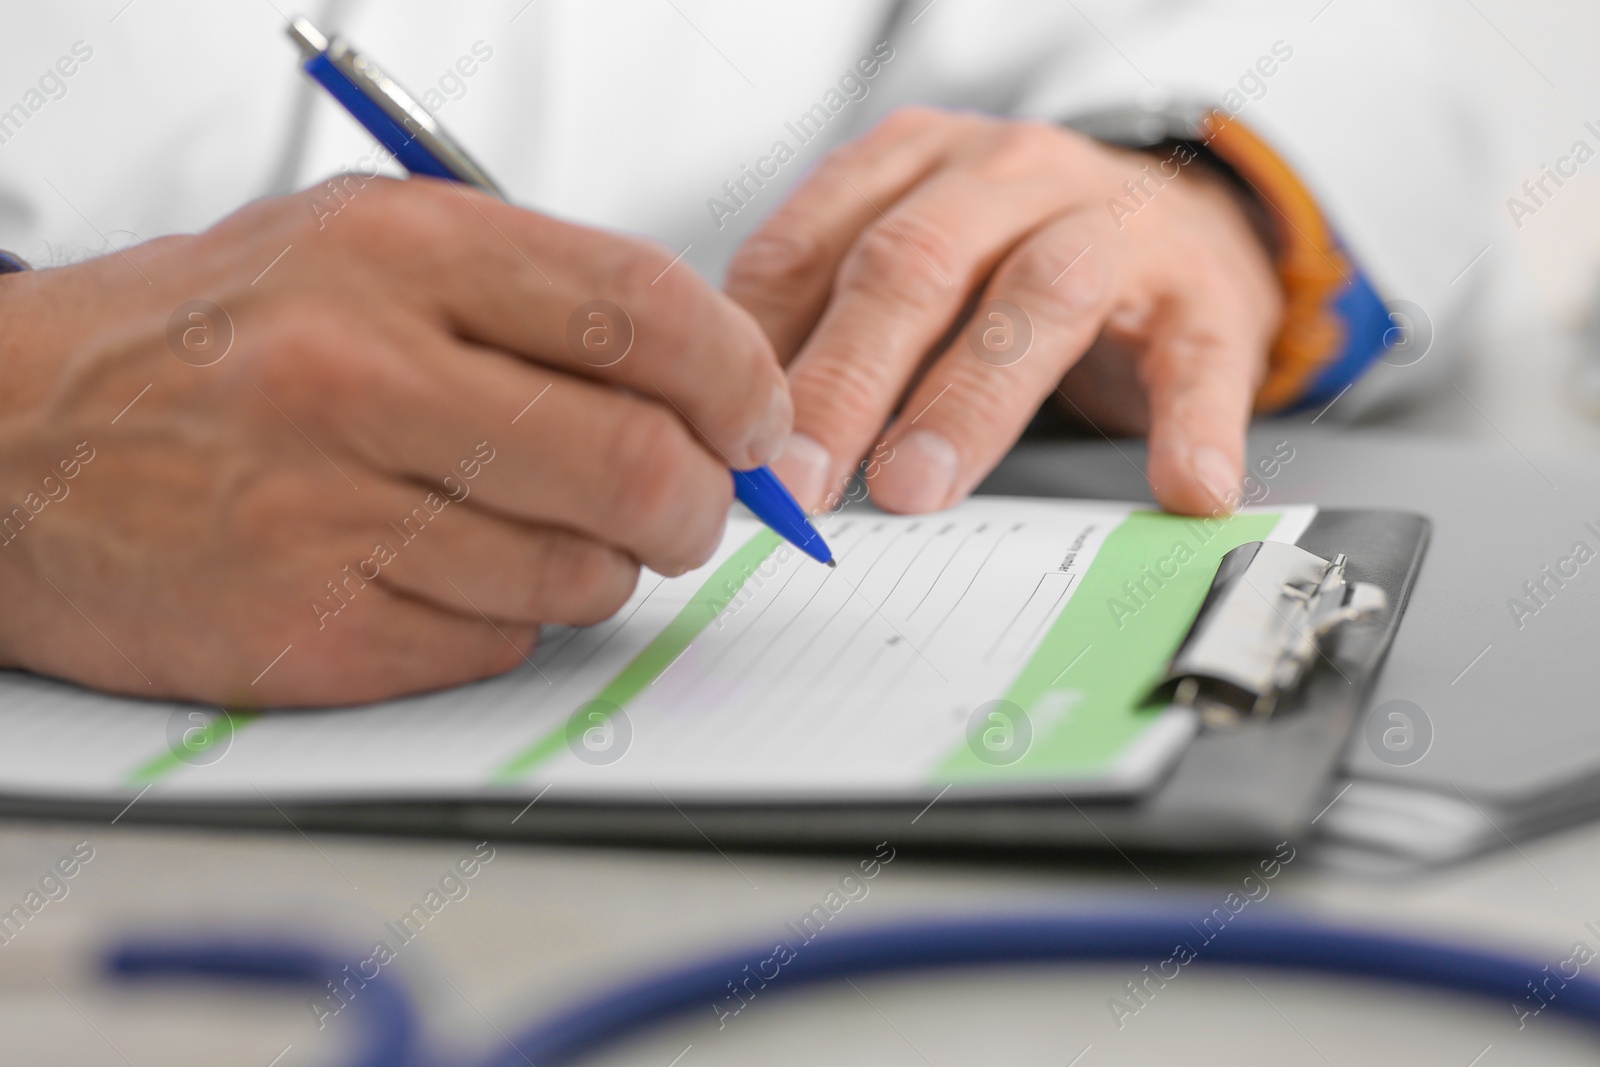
{"x": 803, "y": 466}
{"x": 1216, "y": 472}
{"x": 925, "y": 469}
{"x": 772, "y": 431}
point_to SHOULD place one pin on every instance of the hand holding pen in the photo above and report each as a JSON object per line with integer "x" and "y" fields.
{"x": 307, "y": 457}
{"x": 423, "y": 147}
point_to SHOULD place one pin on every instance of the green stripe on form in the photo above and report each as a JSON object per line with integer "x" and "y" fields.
{"x": 664, "y": 649}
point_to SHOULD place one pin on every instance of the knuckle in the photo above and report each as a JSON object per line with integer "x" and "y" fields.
{"x": 1022, "y": 150}
{"x": 643, "y": 272}
{"x": 387, "y": 214}
{"x": 843, "y": 392}
{"x": 1192, "y": 410}
{"x": 284, "y": 348}
{"x": 1041, "y": 269}
{"x": 650, "y": 452}
{"x": 1035, "y": 138}
{"x": 1035, "y": 265}
{"x": 313, "y": 359}
{"x": 913, "y": 119}
{"x": 906, "y": 263}
{"x": 1188, "y": 366}
{"x": 278, "y": 507}
{"x": 775, "y": 259}
{"x": 846, "y": 163}
{"x": 1031, "y": 152}
{"x": 1021, "y": 139}
{"x": 661, "y": 297}
{"x": 987, "y": 401}
{"x": 594, "y": 580}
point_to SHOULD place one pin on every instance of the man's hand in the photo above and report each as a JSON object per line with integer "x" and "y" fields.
{"x": 283, "y": 462}
{"x": 863, "y": 276}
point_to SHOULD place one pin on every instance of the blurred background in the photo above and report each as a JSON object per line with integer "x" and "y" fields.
{"x": 1533, "y": 373}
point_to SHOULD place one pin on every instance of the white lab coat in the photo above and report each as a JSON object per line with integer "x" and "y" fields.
{"x": 632, "y": 114}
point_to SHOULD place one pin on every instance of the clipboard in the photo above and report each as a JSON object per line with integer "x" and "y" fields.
{"x": 1241, "y": 785}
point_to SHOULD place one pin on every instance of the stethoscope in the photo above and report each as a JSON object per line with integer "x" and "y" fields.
{"x": 390, "y": 1026}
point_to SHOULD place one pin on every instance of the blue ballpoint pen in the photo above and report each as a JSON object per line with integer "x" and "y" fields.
{"x": 421, "y": 146}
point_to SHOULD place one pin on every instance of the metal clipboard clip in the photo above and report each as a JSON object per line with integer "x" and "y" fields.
{"x": 1271, "y": 610}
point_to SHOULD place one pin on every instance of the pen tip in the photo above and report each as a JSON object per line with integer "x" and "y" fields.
{"x": 832, "y": 563}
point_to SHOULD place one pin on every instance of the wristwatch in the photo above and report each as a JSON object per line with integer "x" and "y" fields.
{"x": 1145, "y": 125}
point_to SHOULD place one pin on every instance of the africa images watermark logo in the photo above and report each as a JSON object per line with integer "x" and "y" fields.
{"x": 49, "y": 86}
{"x": 746, "y": 985}
{"x": 1139, "y": 992}
{"x": 451, "y": 887}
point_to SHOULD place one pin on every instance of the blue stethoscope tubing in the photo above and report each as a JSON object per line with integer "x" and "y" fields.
{"x": 390, "y": 1025}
